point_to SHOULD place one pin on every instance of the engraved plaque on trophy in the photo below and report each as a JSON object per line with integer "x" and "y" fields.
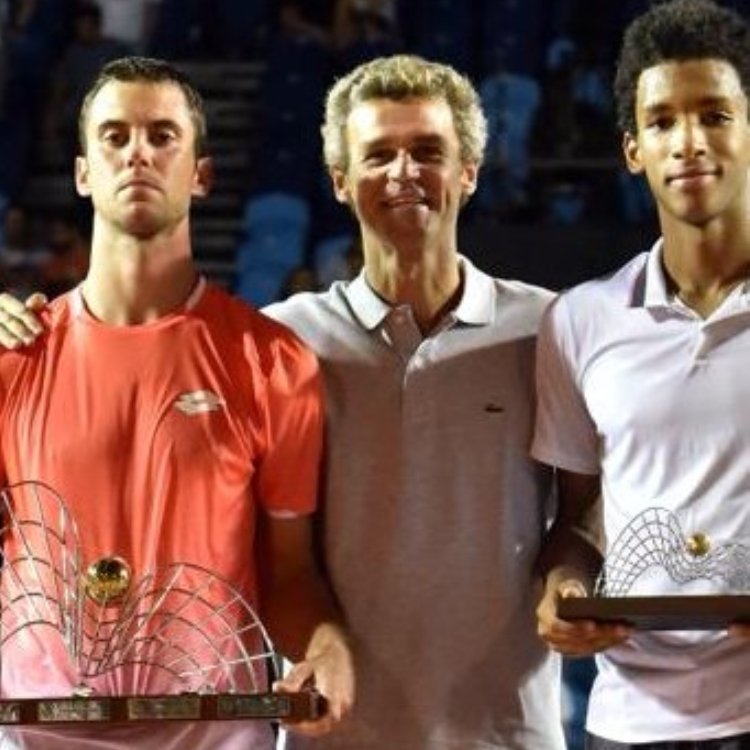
{"x": 655, "y": 542}
{"x": 175, "y": 643}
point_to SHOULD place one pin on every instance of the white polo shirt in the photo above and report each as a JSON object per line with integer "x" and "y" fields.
{"x": 434, "y": 514}
{"x": 636, "y": 386}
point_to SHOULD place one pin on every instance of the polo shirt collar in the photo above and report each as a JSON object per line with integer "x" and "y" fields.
{"x": 474, "y": 308}
{"x": 655, "y": 291}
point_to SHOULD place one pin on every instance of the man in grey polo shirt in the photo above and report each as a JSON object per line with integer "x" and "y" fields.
{"x": 433, "y": 513}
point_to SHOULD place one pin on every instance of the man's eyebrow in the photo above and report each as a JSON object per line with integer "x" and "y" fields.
{"x": 430, "y": 139}
{"x": 656, "y": 108}
{"x": 115, "y": 123}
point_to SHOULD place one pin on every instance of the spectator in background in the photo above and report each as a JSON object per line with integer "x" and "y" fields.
{"x": 301, "y": 279}
{"x": 311, "y": 20}
{"x": 22, "y": 260}
{"x": 364, "y": 29}
{"x": 32, "y": 36}
{"x": 130, "y": 22}
{"x": 68, "y": 259}
{"x": 511, "y": 101}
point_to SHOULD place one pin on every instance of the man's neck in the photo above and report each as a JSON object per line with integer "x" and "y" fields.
{"x": 703, "y": 264}
{"x": 132, "y": 282}
{"x": 429, "y": 282}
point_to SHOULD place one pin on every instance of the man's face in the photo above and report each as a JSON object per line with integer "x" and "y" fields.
{"x": 405, "y": 181}
{"x": 140, "y": 167}
{"x": 693, "y": 140}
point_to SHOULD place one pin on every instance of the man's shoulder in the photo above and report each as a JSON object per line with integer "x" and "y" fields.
{"x": 237, "y": 323}
{"x": 510, "y": 304}
{"x": 589, "y": 308}
{"x": 55, "y": 317}
{"x": 311, "y": 313}
{"x": 616, "y": 288}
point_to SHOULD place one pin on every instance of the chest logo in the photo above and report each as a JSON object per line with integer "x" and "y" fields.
{"x": 198, "y": 402}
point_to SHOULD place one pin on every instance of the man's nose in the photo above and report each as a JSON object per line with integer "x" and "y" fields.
{"x": 139, "y": 150}
{"x": 403, "y": 167}
{"x": 689, "y": 139}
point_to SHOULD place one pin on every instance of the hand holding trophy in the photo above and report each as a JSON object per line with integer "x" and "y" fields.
{"x": 654, "y": 542}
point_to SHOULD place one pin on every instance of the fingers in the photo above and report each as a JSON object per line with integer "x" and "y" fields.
{"x": 578, "y": 637}
{"x": 296, "y": 679}
{"x": 740, "y": 629}
{"x": 331, "y": 674}
{"x": 36, "y": 301}
{"x": 19, "y": 324}
{"x": 299, "y": 678}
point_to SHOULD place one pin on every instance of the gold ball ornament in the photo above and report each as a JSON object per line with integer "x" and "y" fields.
{"x": 698, "y": 545}
{"x": 107, "y": 580}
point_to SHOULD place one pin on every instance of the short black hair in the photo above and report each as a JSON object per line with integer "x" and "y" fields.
{"x": 149, "y": 70}
{"x": 678, "y": 30}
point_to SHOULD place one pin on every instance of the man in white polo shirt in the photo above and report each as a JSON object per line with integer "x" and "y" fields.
{"x": 643, "y": 385}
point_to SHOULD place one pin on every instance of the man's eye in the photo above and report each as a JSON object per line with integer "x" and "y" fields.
{"x": 164, "y": 136}
{"x": 660, "y": 123}
{"x": 377, "y": 157}
{"x": 715, "y": 118}
{"x": 429, "y": 154}
{"x": 114, "y": 138}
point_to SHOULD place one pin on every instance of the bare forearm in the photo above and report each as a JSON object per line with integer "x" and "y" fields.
{"x": 297, "y": 613}
{"x": 571, "y": 552}
{"x": 575, "y": 542}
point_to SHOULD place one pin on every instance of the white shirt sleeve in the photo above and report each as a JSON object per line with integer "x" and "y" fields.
{"x": 565, "y": 436}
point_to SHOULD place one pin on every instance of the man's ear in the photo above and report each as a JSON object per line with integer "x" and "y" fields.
{"x": 82, "y": 177}
{"x": 632, "y": 153}
{"x": 469, "y": 175}
{"x": 203, "y": 179}
{"x": 340, "y": 185}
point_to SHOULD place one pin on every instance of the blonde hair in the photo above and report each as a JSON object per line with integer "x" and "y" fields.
{"x": 402, "y": 77}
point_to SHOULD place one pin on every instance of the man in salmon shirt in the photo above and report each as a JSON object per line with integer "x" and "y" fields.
{"x": 178, "y": 424}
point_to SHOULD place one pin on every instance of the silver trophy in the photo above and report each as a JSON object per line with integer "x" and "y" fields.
{"x": 654, "y": 544}
{"x": 175, "y": 643}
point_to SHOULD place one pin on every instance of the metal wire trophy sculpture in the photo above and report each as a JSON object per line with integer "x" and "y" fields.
{"x": 181, "y": 622}
{"x": 654, "y": 540}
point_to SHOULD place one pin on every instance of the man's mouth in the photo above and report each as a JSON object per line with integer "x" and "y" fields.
{"x": 139, "y": 183}
{"x": 406, "y": 201}
{"x": 692, "y": 176}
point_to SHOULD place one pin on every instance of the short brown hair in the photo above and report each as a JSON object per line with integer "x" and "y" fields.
{"x": 149, "y": 70}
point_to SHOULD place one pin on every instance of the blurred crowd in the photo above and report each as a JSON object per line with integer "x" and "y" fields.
{"x": 543, "y": 68}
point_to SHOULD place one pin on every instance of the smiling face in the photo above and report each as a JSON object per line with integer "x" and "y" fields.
{"x": 693, "y": 140}
{"x": 405, "y": 180}
{"x": 139, "y": 167}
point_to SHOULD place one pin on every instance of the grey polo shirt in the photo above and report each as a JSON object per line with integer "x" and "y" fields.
{"x": 433, "y": 514}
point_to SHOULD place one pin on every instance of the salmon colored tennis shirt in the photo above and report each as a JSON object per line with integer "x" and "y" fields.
{"x": 164, "y": 440}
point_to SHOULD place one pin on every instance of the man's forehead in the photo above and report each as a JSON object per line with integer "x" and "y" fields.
{"x": 377, "y": 118}
{"x": 139, "y": 100}
{"x": 701, "y": 78}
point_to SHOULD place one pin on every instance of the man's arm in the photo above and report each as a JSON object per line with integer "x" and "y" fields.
{"x": 19, "y": 324}
{"x": 302, "y": 619}
{"x": 569, "y": 562}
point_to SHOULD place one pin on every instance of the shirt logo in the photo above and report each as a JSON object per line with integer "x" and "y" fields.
{"x": 198, "y": 402}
